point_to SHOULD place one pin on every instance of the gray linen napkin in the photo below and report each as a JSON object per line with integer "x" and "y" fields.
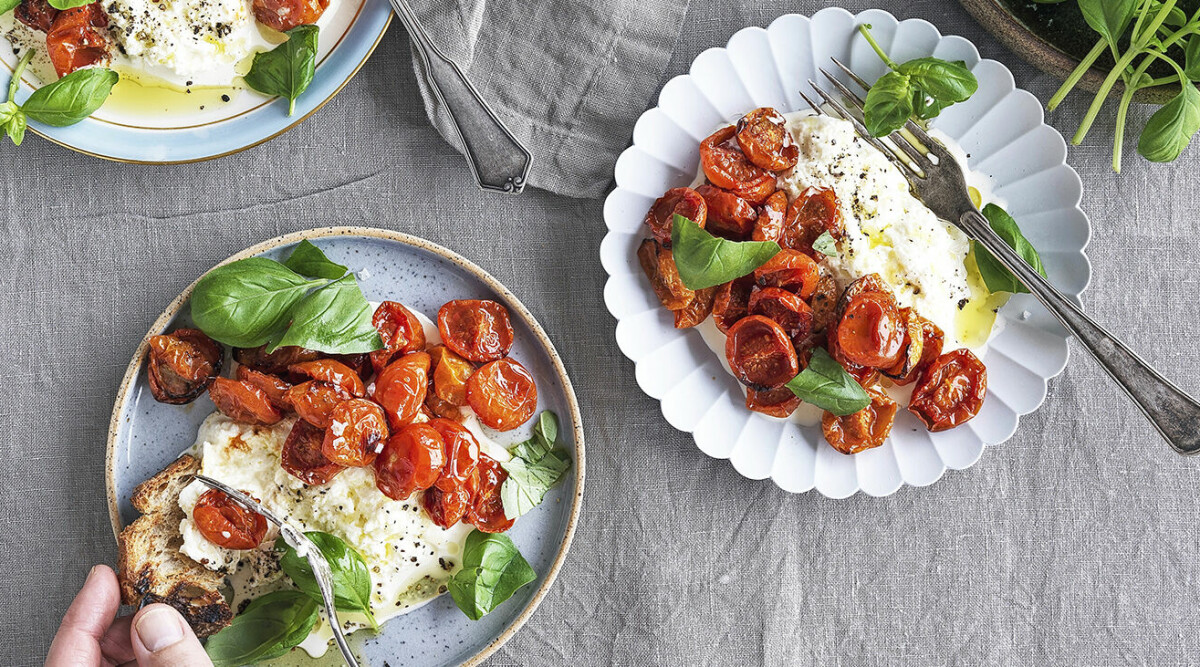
{"x": 569, "y": 77}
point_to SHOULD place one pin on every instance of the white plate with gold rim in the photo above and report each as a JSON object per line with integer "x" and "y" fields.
{"x": 1002, "y": 131}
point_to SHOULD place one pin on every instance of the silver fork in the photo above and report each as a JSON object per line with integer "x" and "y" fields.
{"x": 941, "y": 185}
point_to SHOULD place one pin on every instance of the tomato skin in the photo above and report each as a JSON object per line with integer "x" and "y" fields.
{"x": 314, "y": 401}
{"x": 813, "y": 213}
{"x": 462, "y": 453}
{"x": 732, "y": 302}
{"x": 275, "y": 388}
{"x": 450, "y": 375}
{"x": 503, "y": 394}
{"x": 77, "y": 38}
{"x": 37, "y": 14}
{"x": 182, "y": 364}
{"x": 760, "y": 354}
{"x": 766, "y": 141}
{"x": 411, "y": 460}
{"x": 728, "y": 168}
{"x": 698, "y": 310}
{"x": 932, "y": 340}
{"x": 791, "y": 270}
{"x": 486, "y": 511}
{"x": 768, "y": 226}
{"x": 243, "y": 402}
{"x": 226, "y": 523}
{"x": 676, "y": 201}
{"x": 446, "y": 508}
{"x": 779, "y": 402}
{"x": 824, "y": 303}
{"x": 865, "y": 429}
{"x": 785, "y": 309}
{"x": 477, "y": 330}
{"x": 729, "y": 215}
{"x": 951, "y": 391}
{"x": 275, "y": 363}
{"x": 331, "y": 372}
{"x": 871, "y": 331}
{"x": 400, "y": 331}
{"x": 658, "y": 263}
{"x": 356, "y": 433}
{"x": 283, "y": 15}
{"x": 303, "y": 458}
{"x": 402, "y": 386}
{"x": 864, "y": 375}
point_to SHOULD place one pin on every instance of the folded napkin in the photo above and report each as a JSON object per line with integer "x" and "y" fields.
{"x": 568, "y": 77}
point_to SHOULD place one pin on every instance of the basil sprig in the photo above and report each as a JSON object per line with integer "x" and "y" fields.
{"x": 287, "y": 69}
{"x": 267, "y": 628}
{"x": 64, "y": 102}
{"x": 537, "y": 465}
{"x": 825, "y": 245}
{"x": 351, "y": 578}
{"x": 920, "y": 87}
{"x": 1170, "y": 129}
{"x": 493, "y": 569}
{"x": 704, "y": 260}
{"x": 827, "y": 385}
{"x": 994, "y": 274}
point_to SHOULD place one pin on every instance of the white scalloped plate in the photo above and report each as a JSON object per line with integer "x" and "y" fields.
{"x": 1002, "y": 132}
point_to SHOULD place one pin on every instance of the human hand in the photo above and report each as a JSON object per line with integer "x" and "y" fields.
{"x": 91, "y": 635}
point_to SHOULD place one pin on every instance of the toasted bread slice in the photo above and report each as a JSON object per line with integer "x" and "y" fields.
{"x": 151, "y": 566}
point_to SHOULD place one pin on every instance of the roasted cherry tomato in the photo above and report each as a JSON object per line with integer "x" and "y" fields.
{"x": 462, "y": 453}
{"x": 950, "y": 391}
{"x": 731, "y": 302}
{"x": 791, "y": 270}
{"x": 331, "y": 372}
{"x": 787, "y": 310}
{"x": 727, "y": 167}
{"x": 871, "y": 330}
{"x": 912, "y": 348}
{"x": 37, "y": 14}
{"x": 871, "y": 282}
{"x": 182, "y": 364}
{"x": 932, "y": 340}
{"x": 314, "y": 401}
{"x": 401, "y": 387}
{"x": 865, "y": 375}
{"x": 283, "y": 15}
{"x": 450, "y": 374}
{"x": 779, "y": 402}
{"x": 760, "y": 353}
{"x": 411, "y": 460}
{"x": 275, "y": 363}
{"x": 359, "y": 363}
{"x": 864, "y": 429}
{"x": 503, "y": 394}
{"x": 446, "y": 508}
{"x": 77, "y": 38}
{"x": 226, "y": 523}
{"x": 824, "y": 302}
{"x": 813, "y": 213}
{"x": 275, "y": 388}
{"x": 243, "y": 402}
{"x": 698, "y": 310}
{"x": 476, "y": 330}
{"x": 677, "y": 201}
{"x": 436, "y": 407}
{"x": 766, "y": 141}
{"x": 659, "y": 266}
{"x": 356, "y": 432}
{"x": 768, "y": 226}
{"x": 400, "y": 331}
{"x": 729, "y": 215}
{"x": 302, "y": 456}
{"x": 486, "y": 511}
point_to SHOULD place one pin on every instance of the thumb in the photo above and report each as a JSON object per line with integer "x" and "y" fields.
{"x": 161, "y": 638}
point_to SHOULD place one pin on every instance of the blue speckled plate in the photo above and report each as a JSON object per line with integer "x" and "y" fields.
{"x": 145, "y": 435}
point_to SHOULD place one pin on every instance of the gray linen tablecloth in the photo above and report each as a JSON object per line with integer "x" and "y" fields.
{"x": 1073, "y": 543}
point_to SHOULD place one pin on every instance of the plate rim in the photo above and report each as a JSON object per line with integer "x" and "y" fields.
{"x": 133, "y": 370}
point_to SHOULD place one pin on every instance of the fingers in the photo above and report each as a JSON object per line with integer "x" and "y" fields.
{"x": 115, "y": 645}
{"x": 161, "y": 638}
{"x": 86, "y": 621}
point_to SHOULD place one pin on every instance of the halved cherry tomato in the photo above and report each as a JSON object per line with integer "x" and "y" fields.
{"x": 476, "y": 330}
{"x": 503, "y": 394}
{"x": 411, "y": 460}
{"x": 871, "y": 331}
{"x": 182, "y": 364}
{"x": 766, "y": 141}
{"x": 913, "y": 347}
{"x": 698, "y": 310}
{"x": 283, "y": 15}
{"x": 356, "y": 432}
{"x": 400, "y": 331}
{"x": 932, "y": 340}
{"x": 332, "y": 372}
{"x": 359, "y": 363}
{"x": 864, "y": 429}
{"x": 758, "y": 190}
{"x": 787, "y": 310}
{"x": 791, "y": 270}
{"x": 731, "y": 302}
{"x": 450, "y": 374}
{"x": 302, "y": 456}
{"x": 242, "y": 402}
{"x": 864, "y": 375}
{"x": 724, "y": 163}
{"x": 226, "y": 523}
{"x": 275, "y": 388}
{"x": 275, "y": 363}
{"x": 779, "y": 402}
{"x": 462, "y": 453}
{"x": 768, "y": 226}
{"x": 436, "y": 407}
{"x": 77, "y": 38}
{"x": 760, "y": 353}
{"x": 659, "y": 266}
{"x": 401, "y": 387}
{"x": 37, "y": 14}
{"x": 871, "y": 282}
{"x": 314, "y": 401}
{"x": 729, "y": 215}
{"x": 677, "y": 201}
{"x": 446, "y": 508}
{"x": 813, "y": 213}
{"x": 486, "y": 511}
{"x": 951, "y": 390}
{"x": 824, "y": 302}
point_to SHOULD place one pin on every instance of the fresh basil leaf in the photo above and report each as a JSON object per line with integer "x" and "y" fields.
{"x": 1109, "y": 18}
{"x": 243, "y": 303}
{"x": 351, "y": 578}
{"x": 12, "y": 120}
{"x": 704, "y": 260}
{"x": 334, "y": 319}
{"x": 536, "y": 466}
{"x": 7, "y": 6}
{"x": 925, "y": 107}
{"x": 267, "y": 628}
{"x": 943, "y": 80}
{"x": 994, "y": 274}
{"x": 547, "y": 427}
{"x": 308, "y": 260}
{"x": 69, "y": 4}
{"x": 825, "y": 245}
{"x": 827, "y": 385}
{"x": 71, "y": 98}
{"x": 287, "y": 69}
{"x": 889, "y": 104}
{"x": 1191, "y": 56}
{"x": 493, "y": 569}
{"x": 1170, "y": 129}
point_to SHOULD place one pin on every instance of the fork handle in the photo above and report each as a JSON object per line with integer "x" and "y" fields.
{"x": 1173, "y": 412}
